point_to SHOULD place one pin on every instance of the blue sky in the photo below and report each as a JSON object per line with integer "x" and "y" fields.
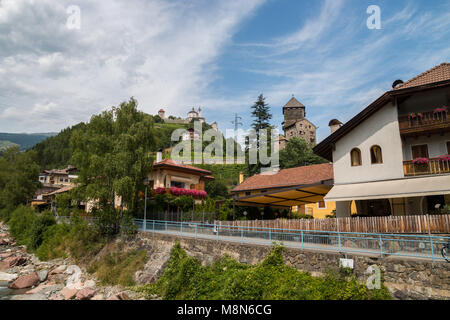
{"x": 219, "y": 55}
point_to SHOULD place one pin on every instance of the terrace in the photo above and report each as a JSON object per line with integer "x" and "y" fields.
{"x": 436, "y": 121}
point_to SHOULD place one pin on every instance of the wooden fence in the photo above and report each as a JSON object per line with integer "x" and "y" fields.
{"x": 391, "y": 224}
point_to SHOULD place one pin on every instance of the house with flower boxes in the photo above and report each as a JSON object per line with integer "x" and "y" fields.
{"x": 392, "y": 158}
{"x": 168, "y": 176}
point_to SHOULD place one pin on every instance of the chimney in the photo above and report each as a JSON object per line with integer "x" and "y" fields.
{"x": 334, "y": 125}
{"x": 158, "y": 156}
{"x": 241, "y": 177}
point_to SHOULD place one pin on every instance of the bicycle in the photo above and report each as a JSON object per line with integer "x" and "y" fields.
{"x": 446, "y": 251}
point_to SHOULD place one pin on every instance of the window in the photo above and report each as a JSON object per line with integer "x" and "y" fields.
{"x": 448, "y": 147}
{"x": 321, "y": 205}
{"x": 356, "y": 157}
{"x": 177, "y": 184}
{"x": 375, "y": 155}
{"x": 419, "y": 151}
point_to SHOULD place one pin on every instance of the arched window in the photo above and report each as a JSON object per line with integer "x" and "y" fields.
{"x": 356, "y": 157}
{"x": 376, "y": 155}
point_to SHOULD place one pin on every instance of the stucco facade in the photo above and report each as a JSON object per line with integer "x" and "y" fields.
{"x": 381, "y": 129}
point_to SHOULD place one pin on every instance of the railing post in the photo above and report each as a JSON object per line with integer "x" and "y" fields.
{"x": 145, "y": 224}
{"x": 217, "y": 230}
{"x": 181, "y": 229}
{"x": 381, "y": 246}
{"x": 302, "y": 239}
{"x": 166, "y": 226}
{"x": 242, "y": 235}
{"x": 339, "y": 239}
{"x": 432, "y": 249}
{"x": 153, "y": 226}
{"x": 270, "y": 235}
{"x": 195, "y": 231}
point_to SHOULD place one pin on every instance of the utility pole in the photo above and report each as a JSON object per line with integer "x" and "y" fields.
{"x": 236, "y": 127}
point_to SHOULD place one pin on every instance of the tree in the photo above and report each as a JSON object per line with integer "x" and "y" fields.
{"x": 112, "y": 156}
{"x": 261, "y": 114}
{"x": 216, "y": 188}
{"x": 19, "y": 175}
{"x": 297, "y": 153}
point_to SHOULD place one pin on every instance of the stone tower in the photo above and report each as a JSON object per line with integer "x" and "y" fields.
{"x": 295, "y": 123}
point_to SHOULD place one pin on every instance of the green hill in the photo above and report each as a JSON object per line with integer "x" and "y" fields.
{"x": 6, "y": 144}
{"x": 24, "y": 140}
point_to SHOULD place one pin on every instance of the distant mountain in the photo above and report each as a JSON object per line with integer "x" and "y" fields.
{"x": 24, "y": 140}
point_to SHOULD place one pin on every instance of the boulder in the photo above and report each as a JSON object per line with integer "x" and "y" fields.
{"x": 58, "y": 270}
{"x": 119, "y": 296}
{"x": 36, "y": 296}
{"x": 4, "y": 242}
{"x": 86, "y": 293}
{"x": 42, "y": 274}
{"x": 5, "y": 255}
{"x": 89, "y": 284}
{"x": 26, "y": 281}
{"x": 7, "y": 277}
{"x": 98, "y": 297}
{"x": 69, "y": 293}
{"x": 15, "y": 261}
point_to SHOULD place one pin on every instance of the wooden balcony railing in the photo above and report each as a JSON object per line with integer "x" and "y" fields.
{"x": 428, "y": 121}
{"x": 434, "y": 166}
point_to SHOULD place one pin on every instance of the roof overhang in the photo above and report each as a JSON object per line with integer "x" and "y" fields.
{"x": 286, "y": 197}
{"x": 390, "y": 189}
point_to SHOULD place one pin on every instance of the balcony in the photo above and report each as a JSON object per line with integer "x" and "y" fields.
{"x": 424, "y": 122}
{"x": 434, "y": 166}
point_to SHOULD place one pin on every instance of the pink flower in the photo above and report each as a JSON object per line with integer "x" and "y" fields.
{"x": 420, "y": 161}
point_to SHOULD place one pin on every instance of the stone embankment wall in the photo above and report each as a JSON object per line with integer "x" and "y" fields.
{"x": 405, "y": 278}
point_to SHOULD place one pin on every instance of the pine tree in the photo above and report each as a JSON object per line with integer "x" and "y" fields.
{"x": 261, "y": 114}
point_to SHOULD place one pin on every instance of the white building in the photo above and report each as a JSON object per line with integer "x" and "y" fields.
{"x": 391, "y": 158}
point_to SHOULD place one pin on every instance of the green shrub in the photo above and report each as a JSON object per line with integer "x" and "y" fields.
{"x": 21, "y": 221}
{"x": 40, "y": 225}
{"x": 53, "y": 242}
{"x": 118, "y": 268}
{"x": 226, "y": 279}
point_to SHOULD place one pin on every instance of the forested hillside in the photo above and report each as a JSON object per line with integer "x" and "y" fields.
{"x": 55, "y": 152}
{"x": 24, "y": 140}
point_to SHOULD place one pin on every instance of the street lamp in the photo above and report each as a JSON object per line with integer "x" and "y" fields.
{"x": 145, "y": 203}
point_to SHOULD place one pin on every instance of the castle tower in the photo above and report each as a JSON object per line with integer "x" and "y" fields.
{"x": 161, "y": 113}
{"x": 295, "y": 123}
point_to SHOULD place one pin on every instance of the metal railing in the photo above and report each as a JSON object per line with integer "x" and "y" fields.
{"x": 416, "y": 246}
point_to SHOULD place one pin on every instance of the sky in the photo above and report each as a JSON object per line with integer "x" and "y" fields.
{"x": 61, "y": 64}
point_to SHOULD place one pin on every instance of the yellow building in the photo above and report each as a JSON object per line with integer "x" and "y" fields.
{"x": 320, "y": 210}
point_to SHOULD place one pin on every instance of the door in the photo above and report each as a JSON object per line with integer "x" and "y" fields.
{"x": 419, "y": 151}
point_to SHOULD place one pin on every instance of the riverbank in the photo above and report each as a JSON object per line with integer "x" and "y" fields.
{"x": 24, "y": 277}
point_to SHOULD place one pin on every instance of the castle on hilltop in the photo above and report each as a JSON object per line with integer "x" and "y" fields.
{"x": 191, "y": 115}
{"x": 296, "y": 125}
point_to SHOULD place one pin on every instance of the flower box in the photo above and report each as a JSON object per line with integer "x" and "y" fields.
{"x": 198, "y": 194}
{"x": 444, "y": 158}
{"x": 421, "y": 161}
{"x": 441, "y": 109}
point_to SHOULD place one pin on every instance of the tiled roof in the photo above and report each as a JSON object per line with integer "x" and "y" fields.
{"x": 436, "y": 74}
{"x": 171, "y": 163}
{"x": 62, "y": 190}
{"x": 293, "y": 103}
{"x": 288, "y": 177}
{"x": 289, "y": 123}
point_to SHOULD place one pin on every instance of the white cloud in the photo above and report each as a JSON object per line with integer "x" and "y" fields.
{"x": 161, "y": 52}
